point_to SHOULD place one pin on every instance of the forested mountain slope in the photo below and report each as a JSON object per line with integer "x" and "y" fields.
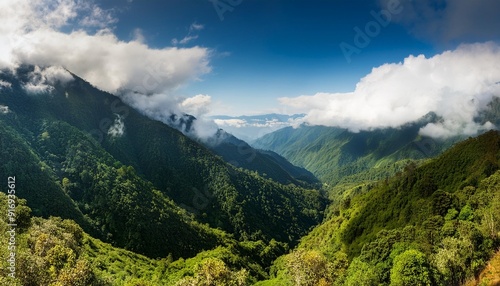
{"x": 267, "y": 163}
{"x": 58, "y": 252}
{"x": 128, "y": 179}
{"x": 434, "y": 224}
{"x": 336, "y": 155}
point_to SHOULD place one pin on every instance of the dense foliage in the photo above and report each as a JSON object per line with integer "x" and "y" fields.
{"x": 145, "y": 187}
{"x": 436, "y": 224}
{"x": 267, "y": 163}
{"x": 337, "y": 156}
{"x": 146, "y": 205}
{"x": 58, "y": 252}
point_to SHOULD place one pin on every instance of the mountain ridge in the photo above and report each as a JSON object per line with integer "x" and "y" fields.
{"x": 130, "y": 153}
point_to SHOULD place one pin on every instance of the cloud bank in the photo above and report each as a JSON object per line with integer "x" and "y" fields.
{"x": 78, "y": 36}
{"x": 161, "y": 106}
{"x": 455, "y": 85}
{"x": 31, "y": 32}
{"x": 42, "y": 80}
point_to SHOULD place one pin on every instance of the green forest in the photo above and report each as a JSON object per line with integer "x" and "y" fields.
{"x": 152, "y": 206}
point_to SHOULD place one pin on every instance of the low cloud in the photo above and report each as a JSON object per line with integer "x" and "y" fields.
{"x": 197, "y": 105}
{"x": 118, "y": 127}
{"x": 242, "y": 123}
{"x": 455, "y": 85}
{"x": 161, "y": 106}
{"x": 252, "y": 127}
{"x": 233, "y": 122}
{"x": 42, "y": 80}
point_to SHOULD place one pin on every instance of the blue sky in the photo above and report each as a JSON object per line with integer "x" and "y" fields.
{"x": 263, "y": 49}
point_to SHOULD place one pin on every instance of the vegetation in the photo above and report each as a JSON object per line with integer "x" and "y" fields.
{"x": 337, "y": 156}
{"x": 166, "y": 194}
{"x": 414, "y": 227}
{"x": 267, "y": 163}
{"x": 58, "y": 252}
{"x": 150, "y": 206}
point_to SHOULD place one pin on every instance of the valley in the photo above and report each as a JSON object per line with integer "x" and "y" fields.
{"x": 181, "y": 210}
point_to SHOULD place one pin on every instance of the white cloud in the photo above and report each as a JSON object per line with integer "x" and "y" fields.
{"x": 456, "y": 85}
{"x": 450, "y": 128}
{"x": 31, "y": 32}
{"x": 184, "y": 40}
{"x": 233, "y": 122}
{"x": 242, "y": 123}
{"x": 55, "y": 74}
{"x": 204, "y": 128}
{"x": 42, "y": 80}
{"x": 113, "y": 65}
{"x": 161, "y": 106}
{"x": 97, "y": 18}
{"x": 4, "y": 84}
{"x": 189, "y": 37}
{"x": 118, "y": 127}
{"x": 254, "y": 126}
{"x": 138, "y": 35}
{"x": 196, "y": 27}
{"x": 197, "y": 105}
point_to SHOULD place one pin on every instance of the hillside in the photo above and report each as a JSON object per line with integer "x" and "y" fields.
{"x": 133, "y": 181}
{"x": 336, "y": 155}
{"x": 434, "y": 224}
{"x": 111, "y": 197}
{"x": 267, "y": 163}
{"x": 58, "y": 252}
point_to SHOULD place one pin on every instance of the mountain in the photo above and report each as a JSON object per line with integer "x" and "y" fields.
{"x": 267, "y": 163}
{"x": 108, "y": 196}
{"x": 54, "y": 251}
{"x": 433, "y": 224}
{"x": 83, "y": 154}
{"x": 336, "y": 155}
{"x": 251, "y": 127}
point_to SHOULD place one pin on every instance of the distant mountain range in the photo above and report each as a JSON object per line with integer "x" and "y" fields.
{"x": 336, "y": 155}
{"x": 252, "y": 127}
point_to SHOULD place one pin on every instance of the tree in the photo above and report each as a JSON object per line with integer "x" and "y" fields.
{"x": 466, "y": 213}
{"x": 361, "y": 273}
{"x": 450, "y": 259}
{"x": 411, "y": 268}
{"x": 308, "y": 268}
{"x": 214, "y": 272}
